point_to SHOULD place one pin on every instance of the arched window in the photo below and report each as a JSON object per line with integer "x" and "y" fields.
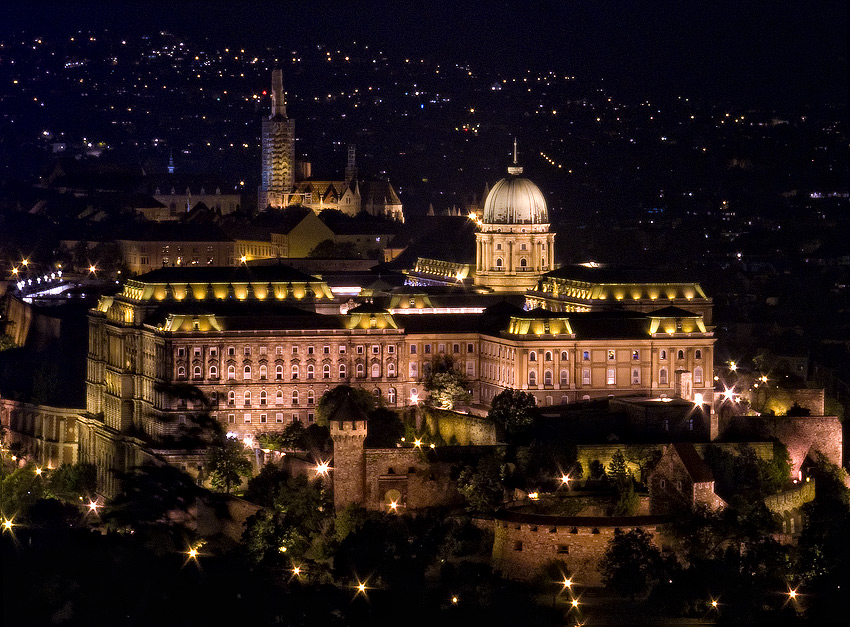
{"x": 376, "y": 393}
{"x": 698, "y": 374}
{"x": 390, "y": 370}
{"x": 213, "y": 372}
{"x": 311, "y": 397}
{"x": 247, "y": 398}
{"x": 680, "y": 355}
{"x": 231, "y": 397}
{"x": 196, "y": 372}
{"x": 263, "y": 397}
{"x": 181, "y": 372}
{"x": 326, "y": 371}
{"x": 278, "y": 372}
{"x": 523, "y": 263}
{"x": 565, "y": 356}
{"x": 247, "y": 374}
{"x": 565, "y": 377}
{"x": 360, "y": 371}
{"x": 376, "y": 371}
{"x": 532, "y": 377}
{"x": 342, "y": 371}
{"x": 264, "y": 372}
{"x": 498, "y": 262}
{"x": 278, "y": 399}
{"x": 532, "y": 356}
{"x": 391, "y": 396}
{"x": 547, "y": 356}
{"x": 697, "y": 354}
{"x": 295, "y": 371}
{"x": 547, "y": 377}
{"x": 213, "y": 398}
{"x": 662, "y": 376}
{"x": 294, "y": 397}
{"x": 311, "y": 371}
{"x": 663, "y": 354}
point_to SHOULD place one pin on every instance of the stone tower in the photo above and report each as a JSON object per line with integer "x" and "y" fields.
{"x": 348, "y": 432}
{"x": 514, "y": 247}
{"x": 278, "y": 176}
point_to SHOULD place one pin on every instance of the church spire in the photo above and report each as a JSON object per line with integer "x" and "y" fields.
{"x": 278, "y": 97}
{"x": 515, "y": 169}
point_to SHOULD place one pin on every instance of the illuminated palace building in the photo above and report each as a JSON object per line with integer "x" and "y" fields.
{"x": 264, "y": 342}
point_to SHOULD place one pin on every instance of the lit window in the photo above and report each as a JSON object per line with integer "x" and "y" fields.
{"x": 196, "y": 372}
{"x": 263, "y": 372}
{"x": 278, "y": 372}
{"x": 532, "y": 356}
{"x": 213, "y": 372}
{"x": 326, "y": 371}
{"x": 612, "y": 355}
{"x": 611, "y": 377}
{"x": 247, "y": 374}
{"x": 532, "y": 377}
{"x": 263, "y": 397}
{"x": 311, "y": 372}
{"x": 698, "y": 374}
{"x": 585, "y": 376}
{"x": 294, "y": 371}
{"x": 565, "y": 377}
{"x": 547, "y": 377}
{"x": 278, "y": 399}
{"x": 662, "y": 376}
{"x": 294, "y": 397}
{"x": 247, "y": 398}
{"x": 391, "y": 396}
{"x": 342, "y": 371}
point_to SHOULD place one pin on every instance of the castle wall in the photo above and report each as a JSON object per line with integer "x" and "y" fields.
{"x": 465, "y": 429}
{"x": 521, "y": 548}
{"x": 403, "y": 474}
{"x": 799, "y": 433}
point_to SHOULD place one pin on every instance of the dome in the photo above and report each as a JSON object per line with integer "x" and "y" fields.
{"x": 515, "y": 200}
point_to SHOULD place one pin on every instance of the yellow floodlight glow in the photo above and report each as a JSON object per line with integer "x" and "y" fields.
{"x": 568, "y": 583}
{"x": 93, "y": 505}
{"x": 393, "y": 505}
{"x": 38, "y": 471}
{"x": 296, "y": 570}
{"x": 417, "y": 443}
{"x": 729, "y": 394}
{"x": 322, "y": 468}
{"x": 8, "y": 523}
{"x": 733, "y": 366}
{"x": 92, "y": 268}
{"x": 565, "y": 479}
{"x": 454, "y": 600}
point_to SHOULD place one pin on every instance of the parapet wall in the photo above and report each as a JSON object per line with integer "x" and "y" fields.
{"x": 404, "y": 475}
{"x": 522, "y": 544}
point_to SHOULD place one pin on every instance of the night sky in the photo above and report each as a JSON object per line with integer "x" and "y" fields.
{"x": 765, "y": 53}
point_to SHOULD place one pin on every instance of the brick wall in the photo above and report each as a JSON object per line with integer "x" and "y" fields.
{"x": 799, "y": 433}
{"x": 465, "y": 429}
{"x": 405, "y": 475}
{"x": 521, "y": 548}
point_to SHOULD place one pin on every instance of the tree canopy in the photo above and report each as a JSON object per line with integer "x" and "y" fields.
{"x": 515, "y": 411}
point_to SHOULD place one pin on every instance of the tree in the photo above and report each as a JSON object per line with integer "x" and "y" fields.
{"x": 149, "y": 492}
{"x": 617, "y": 471}
{"x": 333, "y": 398}
{"x": 329, "y": 249}
{"x": 385, "y": 428}
{"x": 481, "y": 485}
{"x": 71, "y": 481}
{"x": 446, "y": 384}
{"x": 227, "y": 464}
{"x": 514, "y": 410}
{"x": 632, "y": 565}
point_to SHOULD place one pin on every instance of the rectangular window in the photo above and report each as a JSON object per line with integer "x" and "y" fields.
{"x": 310, "y": 418}
{"x": 278, "y": 417}
{"x": 342, "y": 350}
{"x": 294, "y": 350}
{"x": 361, "y": 349}
{"x": 635, "y": 355}
{"x": 563, "y": 549}
{"x": 196, "y": 351}
{"x": 181, "y": 352}
{"x": 413, "y": 349}
{"x": 455, "y": 348}
{"x": 231, "y": 418}
{"x": 470, "y": 348}
{"x": 391, "y": 349}
{"x": 470, "y": 369}
{"x": 585, "y": 355}
{"x": 213, "y": 352}
{"x": 263, "y": 418}
{"x": 310, "y": 350}
{"x": 441, "y": 348}
{"x": 635, "y": 376}
{"x": 427, "y": 349}
{"x": 585, "y": 376}
{"x": 612, "y": 355}
{"x": 376, "y": 349}
{"x": 326, "y": 350}
{"x": 247, "y": 419}
{"x": 611, "y": 377}
{"x": 263, "y": 350}
{"x": 414, "y": 370}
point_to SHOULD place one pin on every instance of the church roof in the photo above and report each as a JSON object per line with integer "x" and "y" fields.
{"x": 694, "y": 464}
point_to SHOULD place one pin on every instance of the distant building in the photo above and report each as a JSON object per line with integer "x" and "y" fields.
{"x": 278, "y": 145}
{"x": 280, "y": 188}
{"x": 157, "y": 245}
